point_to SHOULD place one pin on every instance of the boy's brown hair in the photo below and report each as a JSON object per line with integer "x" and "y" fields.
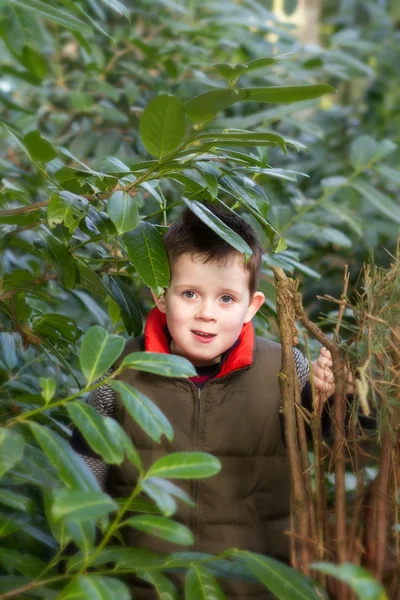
{"x": 189, "y": 234}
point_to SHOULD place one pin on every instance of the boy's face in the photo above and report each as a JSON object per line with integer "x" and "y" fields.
{"x": 206, "y": 306}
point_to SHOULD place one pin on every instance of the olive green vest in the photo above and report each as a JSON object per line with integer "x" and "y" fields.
{"x": 235, "y": 418}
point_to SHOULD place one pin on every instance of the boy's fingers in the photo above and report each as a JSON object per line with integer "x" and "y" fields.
{"x": 323, "y": 373}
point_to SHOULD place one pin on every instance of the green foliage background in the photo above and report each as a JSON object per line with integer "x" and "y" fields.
{"x": 115, "y": 116}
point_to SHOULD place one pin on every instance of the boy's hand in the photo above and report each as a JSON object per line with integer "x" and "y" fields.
{"x": 324, "y": 382}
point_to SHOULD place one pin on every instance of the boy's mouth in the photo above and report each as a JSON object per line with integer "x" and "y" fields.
{"x": 203, "y": 334}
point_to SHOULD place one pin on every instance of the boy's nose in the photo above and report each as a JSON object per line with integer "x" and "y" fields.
{"x": 206, "y": 311}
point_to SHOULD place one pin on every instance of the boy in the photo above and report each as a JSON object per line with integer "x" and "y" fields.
{"x": 231, "y": 409}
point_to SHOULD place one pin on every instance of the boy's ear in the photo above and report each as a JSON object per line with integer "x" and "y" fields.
{"x": 255, "y": 304}
{"x": 159, "y": 301}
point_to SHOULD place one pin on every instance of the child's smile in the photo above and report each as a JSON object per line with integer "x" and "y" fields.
{"x": 206, "y": 305}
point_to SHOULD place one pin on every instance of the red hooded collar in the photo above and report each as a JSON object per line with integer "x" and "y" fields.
{"x": 155, "y": 340}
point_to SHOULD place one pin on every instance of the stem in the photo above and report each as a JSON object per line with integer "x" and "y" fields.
{"x": 31, "y": 586}
{"x": 112, "y": 528}
{"x": 285, "y": 289}
{"x": 36, "y": 411}
{"x": 381, "y": 521}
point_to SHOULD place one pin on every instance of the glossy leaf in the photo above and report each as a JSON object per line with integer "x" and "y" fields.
{"x": 358, "y": 578}
{"x": 92, "y": 426}
{"x": 287, "y": 94}
{"x": 219, "y": 227}
{"x": 283, "y": 581}
{"x": 128, "y": 305}
{"x": 201, "y": 585}
{"x": 118, "y": 6}
{"x": 61, "y": 259}
{"x": 148, "y": 255}
{"x": 16, "y": 500}
{"x": 67, "y": 208}
{"x": 122, "y": 210}
{"x": 141, "y": 559}
{"x": 56, "y": 15}
{"x": 38, "y": 147}
{"x": 48, "y": 385}
{"x": 81, "y": 506}
{"x": 185, "y": 465}
{"x": 168, "y": 365}
{"x": 164, "y": 501}
{"x": 99, "y": 351}
{"x": 71, "y": 468}
{"x": 208, "y": 104}
{"x": 95, "y": 587}
{"x": 162, "y": 126}
{"x": 163, "y": 586}
{"x": 11, "y": 449}
{"x": 378, "y": 200}
{"x": 237, "y": 137}
{"x": 103, "y": 434}
{"x": 161, "y": 527}
{"x": 22, "y": 563}
{"x": 144, "y": 411}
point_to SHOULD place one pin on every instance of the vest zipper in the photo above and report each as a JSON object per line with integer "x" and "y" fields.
{"x": 199, "y": 392}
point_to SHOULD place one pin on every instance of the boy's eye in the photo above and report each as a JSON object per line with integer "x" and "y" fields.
{"x": 226, "y": 299}
{"x": 189, "y": 294}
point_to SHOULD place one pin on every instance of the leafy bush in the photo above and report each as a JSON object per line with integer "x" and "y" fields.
{"x": 110, "y": 126}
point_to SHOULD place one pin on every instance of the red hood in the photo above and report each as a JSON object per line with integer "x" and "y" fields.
{"x": 241, "y": 356}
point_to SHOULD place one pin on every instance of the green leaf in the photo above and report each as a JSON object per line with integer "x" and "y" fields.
{"x": 67, "y": 208}
{"x": 161, "y": 527}
{"x": 91, "y": 425}
{"x": 99, "y": 351}
{"x": 128, "y": 306}
{"x": 47, "y": 11}
{"x": 358, "y": 578}
{"x": 230, "y": 71}
{"x": 163, "y": 499}
{"x": 103, "y": 434}
{"x": 11, "y": 522}
{"x": 219, "y": 227}
{"x": 163, "y": 586}
{"x": 201, "y": 585}
{"x": 205, "y": 106}
{"x": 72, "y": 469}
{"x": 38, "y": 147}
{"x": 89, "y": 279}
{"x": 118, "y": 7}
{"x": 168, "y": 365}
{"x": 81, "y": 506}
{"x": 148, "y": 255}
{"x": 162, "y": 126}
{"x": 141, "y": 558}
{"x": 17, "y": 501}
{"x": 144, "y": 411}
{"x": 287, "y": 94}
{"x": 362, "y": 151}
{"x": 11, "y": 449}
{"x": 123, "y": 212}
{"x": 280, "y": 579}
{"x": 61, "y": 259}
{"x": 380, "y": 201}
{"x": 185, "y": 465}
{"x": 23, "y": 563}
{"x": 236, "y": 138}
{"x": 95, "y": 587}
{"x": 170, "y": 488}
{"x": 48, "y": 386}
